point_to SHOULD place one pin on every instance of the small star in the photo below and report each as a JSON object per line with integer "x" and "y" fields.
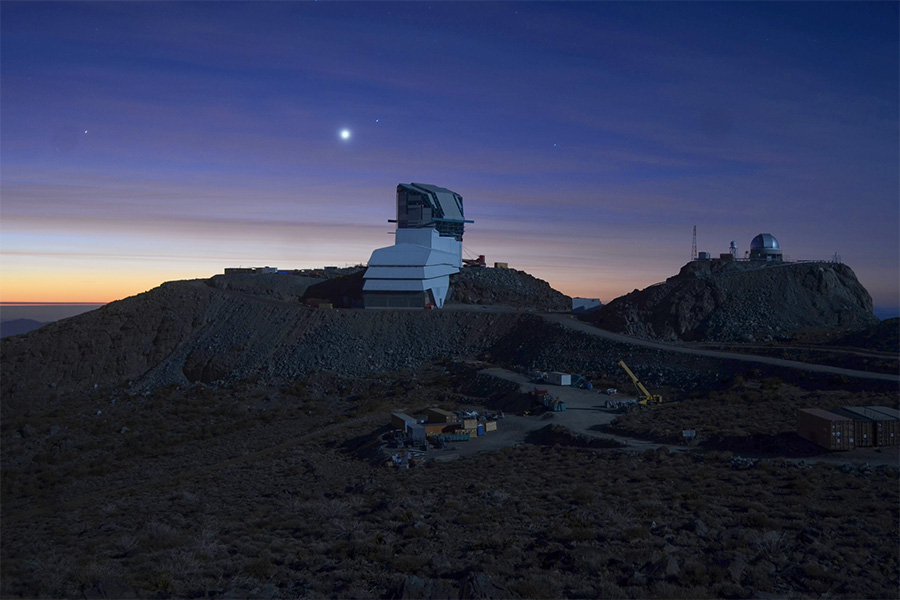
{"x": 85, "y": 130}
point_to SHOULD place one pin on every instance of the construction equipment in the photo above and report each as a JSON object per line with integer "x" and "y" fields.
{"x": 474, "y": 262}
{"x": 579, "y": 381}
{"x": 647, "y": 398}
{"x": 547, "y": 401}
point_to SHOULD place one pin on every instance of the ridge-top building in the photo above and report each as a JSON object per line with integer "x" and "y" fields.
{"x": 415, "y": 271}
{"x": 765, "y": 247}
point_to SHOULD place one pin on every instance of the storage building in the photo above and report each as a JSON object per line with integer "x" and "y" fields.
{"x": 399, "y": 420}
{"x": 831, "y": 431}
{"x": 438, "y": 415}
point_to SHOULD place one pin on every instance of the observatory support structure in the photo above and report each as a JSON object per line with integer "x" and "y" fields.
{"x": 415, "y": 271}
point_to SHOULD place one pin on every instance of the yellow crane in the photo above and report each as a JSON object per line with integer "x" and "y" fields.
{"x": 648, "y": 397}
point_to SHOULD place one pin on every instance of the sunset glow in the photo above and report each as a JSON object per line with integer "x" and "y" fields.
{"x": 587, "y": 139}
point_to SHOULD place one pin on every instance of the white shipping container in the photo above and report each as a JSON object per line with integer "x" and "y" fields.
{"x": 557, "y": 378}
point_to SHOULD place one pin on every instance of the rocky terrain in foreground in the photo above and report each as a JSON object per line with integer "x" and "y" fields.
{"x": 721, "y": 301}
{"x": 252, "y": 491}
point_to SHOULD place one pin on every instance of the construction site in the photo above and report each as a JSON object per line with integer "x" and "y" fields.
{"x": 567, "y": 400}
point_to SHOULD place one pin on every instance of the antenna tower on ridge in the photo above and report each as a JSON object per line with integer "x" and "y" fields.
{"x": 694, "y": 245}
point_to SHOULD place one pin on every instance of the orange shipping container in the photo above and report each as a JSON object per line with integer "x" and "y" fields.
{"x": 826, "y": 429}
{"x": 439, "y": 428}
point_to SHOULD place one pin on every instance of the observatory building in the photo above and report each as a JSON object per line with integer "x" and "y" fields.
{"x": 415, "y": 271}
{"x": 765, "y": 247}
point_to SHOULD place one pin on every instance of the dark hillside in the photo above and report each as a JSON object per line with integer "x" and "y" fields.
{"x": 884, "y": 337}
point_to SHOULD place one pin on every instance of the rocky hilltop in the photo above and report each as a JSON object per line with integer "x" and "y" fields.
{"x": 472, "y": 285}
{"x": 742, "y": 301}
{"x": 506, "y": 287}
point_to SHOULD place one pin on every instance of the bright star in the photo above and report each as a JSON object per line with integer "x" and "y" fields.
{"x": 345, "y": 134}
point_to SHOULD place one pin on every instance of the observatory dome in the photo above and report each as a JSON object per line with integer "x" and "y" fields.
{"x": 765, "y": 247}
{"x": 764, "y": 240}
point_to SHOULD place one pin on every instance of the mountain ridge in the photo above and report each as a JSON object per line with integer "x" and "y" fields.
{"x": 742, "y": 301}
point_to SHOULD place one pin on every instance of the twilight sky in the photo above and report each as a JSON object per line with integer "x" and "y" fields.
{"x": 144, "y": 142}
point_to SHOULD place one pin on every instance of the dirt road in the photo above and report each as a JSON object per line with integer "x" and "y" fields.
{"x": 576, "y": 325}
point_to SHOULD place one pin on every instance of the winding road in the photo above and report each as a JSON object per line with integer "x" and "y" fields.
{"x": 571, "y": 323}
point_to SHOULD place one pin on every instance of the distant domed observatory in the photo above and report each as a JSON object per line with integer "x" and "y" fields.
{"x": 415, "y": 271}
{"x": 765, "y": 247}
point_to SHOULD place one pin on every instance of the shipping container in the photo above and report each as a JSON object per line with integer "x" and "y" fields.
{"x": 826, "y": 429}
{"x": 880, "y": 423}
{"x": 437, "y": 415}
{"x": 891, "y": 412}
{"x": 438, "y": 428}
{"x": 557, "y": 378}
{"x": 469, "y": 423}
{"x": 864, "y": 428}
{"x": 490, "y": 426}
{"x": 399, "y": 420}
{"x": 891, "y": 424}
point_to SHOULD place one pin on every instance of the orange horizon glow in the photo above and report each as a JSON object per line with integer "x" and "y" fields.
{"x": 83, "y": 288}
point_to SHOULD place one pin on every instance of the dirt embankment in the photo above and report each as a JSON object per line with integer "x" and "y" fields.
{"x": 742, "y": 301}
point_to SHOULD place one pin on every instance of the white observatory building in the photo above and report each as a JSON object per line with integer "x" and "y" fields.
{"x": 415, "y": 271}
{"x": 765, "y": 247}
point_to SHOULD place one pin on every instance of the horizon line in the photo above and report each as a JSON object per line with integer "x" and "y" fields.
{"x": 51, "y": 303}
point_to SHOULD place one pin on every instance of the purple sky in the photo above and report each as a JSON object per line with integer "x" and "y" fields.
{"x": 142, "y": 142}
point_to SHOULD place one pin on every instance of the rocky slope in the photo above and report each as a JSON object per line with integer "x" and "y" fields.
{"x": 507, "y": 287}
{"x": 194, "y": 332}
{"x": 189, "y": 331}
{"x": 712, "y": 300}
